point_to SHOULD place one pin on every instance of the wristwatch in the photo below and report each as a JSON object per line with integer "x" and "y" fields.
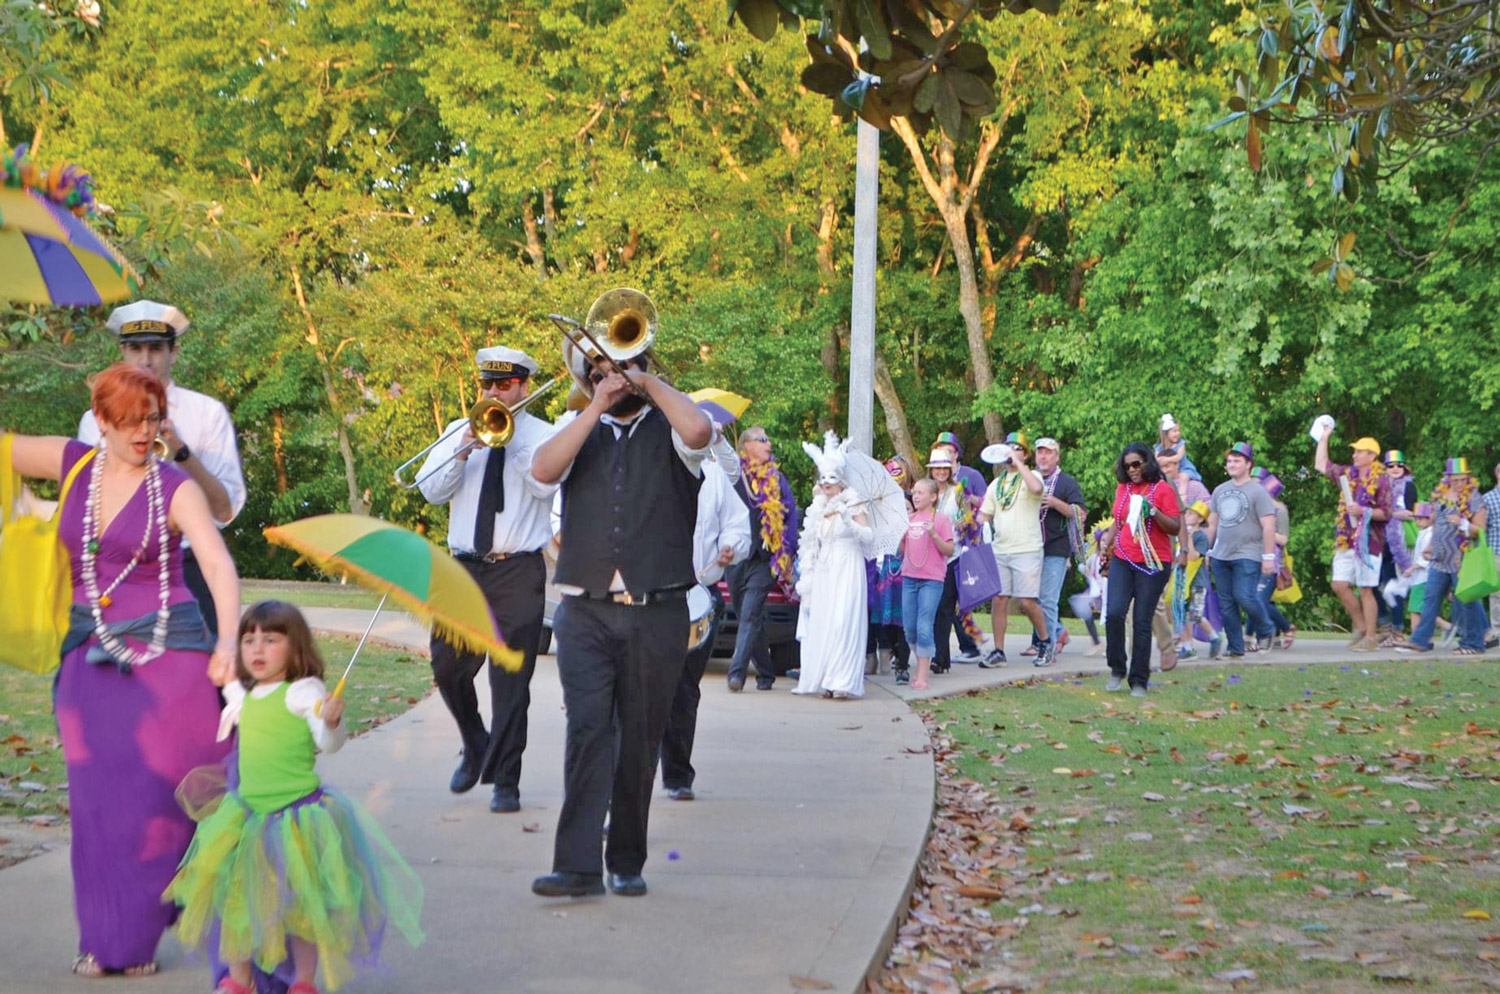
{"x": 183, "y": 454}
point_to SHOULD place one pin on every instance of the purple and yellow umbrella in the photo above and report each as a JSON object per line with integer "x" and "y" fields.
{"x": 721, "y": 405}
{"x": 48, "y": 253}
{"x": 403, "y": 567}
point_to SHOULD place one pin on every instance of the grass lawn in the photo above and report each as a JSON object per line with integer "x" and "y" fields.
{"x": 311, "y": 593}
{"x": 386, "y": 681}
{"x": 1319, "y": 828}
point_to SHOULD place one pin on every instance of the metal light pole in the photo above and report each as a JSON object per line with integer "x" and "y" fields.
{"x": 862, "y": 311}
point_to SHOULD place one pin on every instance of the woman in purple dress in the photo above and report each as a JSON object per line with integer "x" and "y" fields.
{"x": 136, "y": 700}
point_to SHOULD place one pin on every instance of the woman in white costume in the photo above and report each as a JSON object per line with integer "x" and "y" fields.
{"x": 836, "y": 536}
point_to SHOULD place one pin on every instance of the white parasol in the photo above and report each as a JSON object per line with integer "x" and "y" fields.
{"x": 885, "y": 502}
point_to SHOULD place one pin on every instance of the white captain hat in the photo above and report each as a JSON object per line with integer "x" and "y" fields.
{"x": 500, "y": 363}
{"x": 146, "y": 321}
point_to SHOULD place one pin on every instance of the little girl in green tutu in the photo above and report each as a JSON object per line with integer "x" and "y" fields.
{"x": 280, "y": 864}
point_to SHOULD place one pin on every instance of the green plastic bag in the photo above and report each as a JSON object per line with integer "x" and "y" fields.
{"x": 1477, "y": 577}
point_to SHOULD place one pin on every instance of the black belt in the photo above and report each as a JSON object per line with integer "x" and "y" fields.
{"x": 493, "y": 557}
{"x": 641, "y": 600}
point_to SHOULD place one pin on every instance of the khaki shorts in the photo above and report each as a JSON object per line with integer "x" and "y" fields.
{"x": 1020, "y": 573}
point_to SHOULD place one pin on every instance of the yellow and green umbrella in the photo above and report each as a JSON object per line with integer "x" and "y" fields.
{"x": 403, "y": 567}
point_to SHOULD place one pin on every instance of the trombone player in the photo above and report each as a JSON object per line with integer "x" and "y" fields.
{"x": 630, "y": 469}
{"x": 499, "y": 519}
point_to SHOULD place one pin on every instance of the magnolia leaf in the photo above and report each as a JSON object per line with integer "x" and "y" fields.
{"x": 1346, "y": 244}
{"x": 969, "y": 88}
{"x": 1344, "y": 276}
{"x": 1252, "y": 145}
{"x": 760, "y": 17}
{"x": 947, "y": 109}
{"x": 872, "y": 27}
{"x": 825, "y": 78}
{"x": 926, "y": 95}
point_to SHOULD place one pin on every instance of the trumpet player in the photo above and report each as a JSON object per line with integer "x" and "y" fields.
{"x": 498, "y": 522}
{"x": 196, "y": 434}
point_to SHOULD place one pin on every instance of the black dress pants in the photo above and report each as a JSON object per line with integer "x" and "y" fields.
{"x": 619, "y": 667}
{"x": 947, "y": 620}
{"x": 682, "y": 723}
{"x": 749, "y": 583}
{"x": 1127, "y": 584}
{"x": 514, "y": 589}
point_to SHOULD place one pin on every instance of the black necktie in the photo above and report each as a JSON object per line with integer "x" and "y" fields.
{"x": 491, "y": 502}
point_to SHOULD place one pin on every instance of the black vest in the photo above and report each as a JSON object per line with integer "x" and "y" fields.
{"x": 628, "y": 504}
{"x": 757, "y": 544}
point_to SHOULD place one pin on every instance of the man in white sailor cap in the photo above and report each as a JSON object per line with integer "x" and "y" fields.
{"x": 197, "y": 429}
{"x": 499, "y": 520}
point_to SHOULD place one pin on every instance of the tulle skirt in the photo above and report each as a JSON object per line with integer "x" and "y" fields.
{"x": 319, "y": 869}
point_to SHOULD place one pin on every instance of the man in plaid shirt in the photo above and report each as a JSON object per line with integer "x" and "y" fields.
{"x": 1492, "y": 534}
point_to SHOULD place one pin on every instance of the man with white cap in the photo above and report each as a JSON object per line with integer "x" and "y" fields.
{"x": 197, "y": 430}
{"x": 1063, "y": 512}
{"x": 499, "y": 520}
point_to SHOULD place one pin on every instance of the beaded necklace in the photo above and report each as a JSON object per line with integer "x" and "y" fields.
{"x": 1007, "y": 489}
{"x": 1152, "y": 563}
{"x": 911, "y": 553}
{"x": 156, "y": 518}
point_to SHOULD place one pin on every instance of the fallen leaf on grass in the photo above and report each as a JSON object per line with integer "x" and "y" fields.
{"x": 1394, "y": 894}
{"x": 1190, "y": 899}
{"x": 1231, "y": 976}
{"x": 810, "y": 984}
{"x": 1289, "y": 875}
{"x": 1399, "y": 973}
{"x": 1148, "y": 796}
{"x": 981, "y": 891}
{"x": 1477, "y": 915}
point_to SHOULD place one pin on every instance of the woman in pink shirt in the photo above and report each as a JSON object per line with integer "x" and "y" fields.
{"x": 924, "y": 552}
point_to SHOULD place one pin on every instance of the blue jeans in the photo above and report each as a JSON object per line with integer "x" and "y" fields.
{"x": 1273, "y": 613}
{"x": 919, "y": 604}
{"x": 1238, "y": 584}
{"x": 1470, "y": 618}
{"x": 1054, "y": 572}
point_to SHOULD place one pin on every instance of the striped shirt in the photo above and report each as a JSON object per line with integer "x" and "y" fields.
{"x": 1492, "y": 519}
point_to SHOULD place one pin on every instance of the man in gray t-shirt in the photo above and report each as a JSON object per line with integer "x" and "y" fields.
{"x": 1242, "y": 527}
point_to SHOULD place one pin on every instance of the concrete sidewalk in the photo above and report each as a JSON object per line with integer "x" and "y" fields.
{"x": 794, "y": 860}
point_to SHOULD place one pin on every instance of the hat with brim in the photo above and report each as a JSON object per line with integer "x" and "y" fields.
{"x": 951, "y": 440}
{"x": 1456, "y": 467}
{"x": 1422, "y": 510}
{"x": 1048, "y": 442}
{"x": 1366, "y": 444}
{"x": 1244, "y": 450}
{"x": 147, "y": 322}
{"x": 500, "y": 363}
{"x": 1395, "y": 457}
{"x": 1199, "y": 508}
{"x": 940, "y": 458}
{"x": 1269, "y": 482}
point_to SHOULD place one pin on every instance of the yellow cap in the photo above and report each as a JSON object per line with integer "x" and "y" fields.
{"x": 1368, "y": 444}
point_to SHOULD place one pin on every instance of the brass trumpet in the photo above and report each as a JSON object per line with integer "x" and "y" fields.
{"x": 159, "y": 448}
{"x": 619, "y": 327}
{"x": 492, "y": 423}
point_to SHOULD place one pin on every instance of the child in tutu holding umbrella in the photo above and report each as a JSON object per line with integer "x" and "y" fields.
{"x": 282, "y": 862}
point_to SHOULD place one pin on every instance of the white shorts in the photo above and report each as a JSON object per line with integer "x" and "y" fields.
{"x": 1349, "y": 568}
{"x": 1020, "y": 573}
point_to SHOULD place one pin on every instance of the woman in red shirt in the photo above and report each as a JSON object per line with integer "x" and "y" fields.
{"x": 1136, "y": 555}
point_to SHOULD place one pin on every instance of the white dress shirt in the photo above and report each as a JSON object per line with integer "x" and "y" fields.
{"x": 723, "y": 519}
{"x": 204, "y": 426}
{"x": 524, "y": 525}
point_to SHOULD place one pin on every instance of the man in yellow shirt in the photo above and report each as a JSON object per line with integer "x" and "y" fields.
{"x": 1013, "y": 506}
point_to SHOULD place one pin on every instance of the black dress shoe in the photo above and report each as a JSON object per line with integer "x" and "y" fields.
{"x": 504, "y": 801}
{"x": 566, "y": 884}
{"x": 466, "y": 776}
{"x": 628, "y": 884}
{"x": 764, "y": 683}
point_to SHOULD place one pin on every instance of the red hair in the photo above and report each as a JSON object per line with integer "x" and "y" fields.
{"x": 122, "y": 394}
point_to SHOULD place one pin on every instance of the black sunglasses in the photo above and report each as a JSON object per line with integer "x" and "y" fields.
{"x": 1134, "y": 464}
{"x": 756, "y": 438}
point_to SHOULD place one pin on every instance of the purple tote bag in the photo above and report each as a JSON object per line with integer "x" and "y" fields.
{"x": 978, "y": 577}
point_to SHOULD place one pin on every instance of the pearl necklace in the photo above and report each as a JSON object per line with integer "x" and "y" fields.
{"x": 156, "y": 517}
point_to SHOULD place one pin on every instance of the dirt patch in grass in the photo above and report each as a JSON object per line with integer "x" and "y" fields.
{"x": 1259, "y": 828}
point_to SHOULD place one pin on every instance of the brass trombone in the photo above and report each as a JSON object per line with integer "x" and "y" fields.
{"x": 619, "y": 327}
{"x": 493, "y": 424}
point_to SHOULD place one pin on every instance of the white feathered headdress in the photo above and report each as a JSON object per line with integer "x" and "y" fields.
{"x": 830, "y": 459}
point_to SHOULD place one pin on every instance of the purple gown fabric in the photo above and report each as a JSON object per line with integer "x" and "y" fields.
{"x": 128, "y": 741}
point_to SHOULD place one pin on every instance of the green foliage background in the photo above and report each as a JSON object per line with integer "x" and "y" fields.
{"x": 348, "y": 198}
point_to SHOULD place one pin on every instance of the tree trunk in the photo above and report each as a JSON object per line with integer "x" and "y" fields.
{"x": 968, "y": 306}
{"x": 278, "y": 450}
{"x": 346, "y": 451}
{"x": 533, "y": 239}
{"x": 895, "y": 413}
{"x": 828, "y": 420}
